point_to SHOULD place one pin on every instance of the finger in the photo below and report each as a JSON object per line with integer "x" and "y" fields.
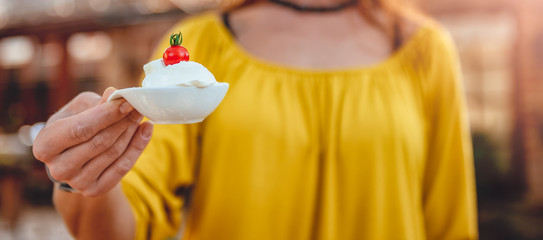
{"x": 80, "y": 103}
{"x": 71, "y": 131}
{"x": 107, "y": 93}
{"x": 118, "y": 169}
{"x": 91, "y": 170}
{"x": 69, "y": 163}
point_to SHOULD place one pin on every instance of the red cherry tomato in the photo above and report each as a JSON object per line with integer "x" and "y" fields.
{"x": 175, "y": 54}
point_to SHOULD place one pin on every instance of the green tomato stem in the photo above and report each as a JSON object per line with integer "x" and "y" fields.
{"x": 176, "y": 39}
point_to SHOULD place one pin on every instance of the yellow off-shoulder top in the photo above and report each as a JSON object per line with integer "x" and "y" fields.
{"x": 371, "y": 152}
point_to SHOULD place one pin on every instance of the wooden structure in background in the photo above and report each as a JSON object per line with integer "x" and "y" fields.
{"x": 526, "y": 142}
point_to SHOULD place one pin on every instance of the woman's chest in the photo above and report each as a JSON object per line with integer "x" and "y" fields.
{"x": 333, "y": 113}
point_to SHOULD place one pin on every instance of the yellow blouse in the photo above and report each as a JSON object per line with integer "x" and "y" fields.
{"x": 374, "y": 152}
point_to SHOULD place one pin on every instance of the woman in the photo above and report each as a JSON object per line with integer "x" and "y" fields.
{"x": 344, "y": 120}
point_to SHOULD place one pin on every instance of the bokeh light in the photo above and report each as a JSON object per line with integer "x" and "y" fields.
{"x": 99, "y": 5}
{"x": 16, "y": 51}
{"x": 89, "y": 46}
{"x": 52, "y": 54}
{"x": 64, "y": 8}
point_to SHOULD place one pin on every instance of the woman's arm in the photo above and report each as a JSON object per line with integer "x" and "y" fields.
{"x": 108, "y": 216}
{"x": 449, "y": 197}
{"x": 91, "y": 144}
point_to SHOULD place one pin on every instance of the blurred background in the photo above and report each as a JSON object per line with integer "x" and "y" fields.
{"x": 50, "y": 50}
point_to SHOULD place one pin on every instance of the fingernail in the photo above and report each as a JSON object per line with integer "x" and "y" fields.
{"x": 108, "y": 91}
{"x": 147, "y": 131}
{"x": 125, "y": 107}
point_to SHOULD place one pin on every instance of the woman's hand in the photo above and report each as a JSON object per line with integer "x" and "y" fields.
{"x": 91, "y": 144}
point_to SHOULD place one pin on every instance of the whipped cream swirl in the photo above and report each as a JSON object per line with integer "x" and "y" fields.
{"x": 184, "y": 73}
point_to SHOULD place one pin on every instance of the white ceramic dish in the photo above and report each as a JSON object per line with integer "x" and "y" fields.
{"x": 174, "y": 104}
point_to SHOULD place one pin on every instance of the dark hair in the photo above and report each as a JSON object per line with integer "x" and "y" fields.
{"x": 392, "y": 23}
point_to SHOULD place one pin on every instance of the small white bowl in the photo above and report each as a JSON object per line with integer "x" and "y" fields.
{"x": 174, "y": 104}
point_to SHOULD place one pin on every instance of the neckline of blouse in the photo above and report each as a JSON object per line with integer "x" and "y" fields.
{"x": 275, "y": 66}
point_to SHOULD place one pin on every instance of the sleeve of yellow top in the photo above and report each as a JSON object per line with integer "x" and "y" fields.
{"x": 166, "y": 166}
{"x": 152, "y": 186}
{"x": 449, "y": 196}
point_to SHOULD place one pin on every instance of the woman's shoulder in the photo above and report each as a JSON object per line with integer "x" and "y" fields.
{"x": 429, "y": 45}
{"x": 426, "y": 31}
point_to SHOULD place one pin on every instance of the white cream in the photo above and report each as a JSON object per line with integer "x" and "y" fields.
{"x": 186, "y": 74}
